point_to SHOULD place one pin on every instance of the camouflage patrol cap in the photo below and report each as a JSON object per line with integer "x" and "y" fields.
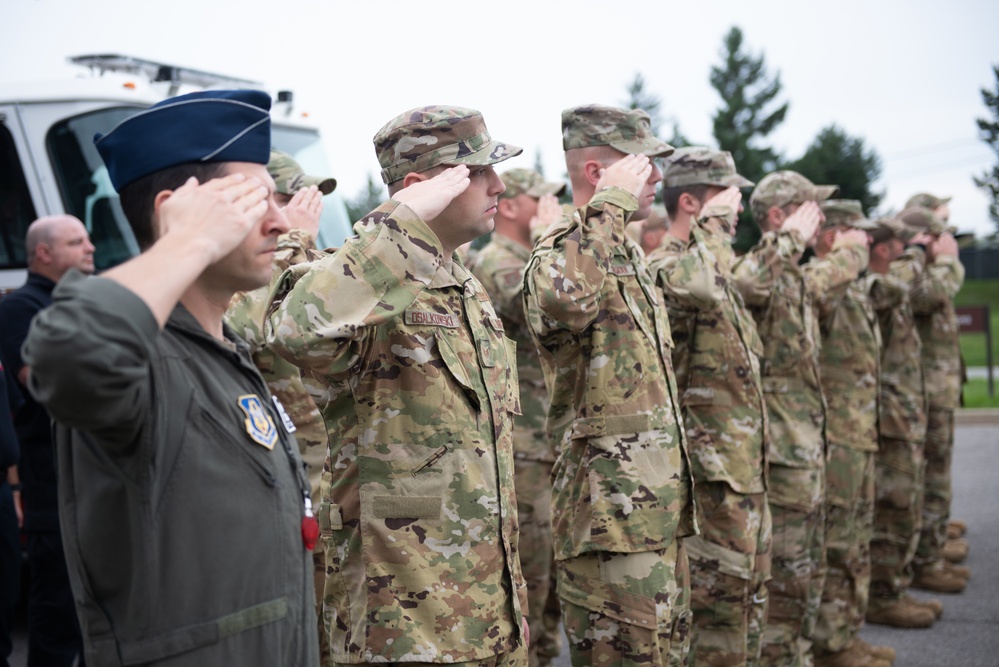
{"x": 528, "y": 182}
{"x": 845, "y": 213}
{"x": 927, "y": 200}
{"x": 700, "y": 165}
{"x": 781, "y": 188}
{"x": 888, "y": 228}
{"x": 922, "y": 220}
{"x": 289, "y": 177}
{"x": 629, "y": 131}
{"x": 422, "y": 138}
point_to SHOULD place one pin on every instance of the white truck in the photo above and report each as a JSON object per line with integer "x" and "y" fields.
{"x": 49, "y": 165}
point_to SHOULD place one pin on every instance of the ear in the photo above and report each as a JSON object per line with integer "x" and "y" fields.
{"x": 43, "y": 252}
{"x": 689, "y": 204}
{"x": 592, "y": 171}
{"x": 507, "y": 207}
{"x": 413, "y": 177}
{"x": 158, "y": 202}
{"x": 775, "y": 217}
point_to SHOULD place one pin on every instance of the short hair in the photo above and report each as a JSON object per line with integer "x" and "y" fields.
{"x": 137, "y": 197}
{"x": 671, "y": 195}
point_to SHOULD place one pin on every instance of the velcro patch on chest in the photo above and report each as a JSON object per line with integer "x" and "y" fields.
{"x": 259, "y": 425}
{"x": 424, "y": 317}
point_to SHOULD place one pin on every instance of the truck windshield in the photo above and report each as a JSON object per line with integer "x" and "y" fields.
{"x": 85, "y": 186}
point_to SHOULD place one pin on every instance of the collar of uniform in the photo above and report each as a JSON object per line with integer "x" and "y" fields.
{"x": 182, "y": 319}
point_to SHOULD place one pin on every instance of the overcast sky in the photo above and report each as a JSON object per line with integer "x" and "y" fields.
{"x": 904, "y": 75}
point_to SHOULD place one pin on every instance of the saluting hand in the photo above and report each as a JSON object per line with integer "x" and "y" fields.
{"x": 724, "y": 206}
{"x": 216, "y": 215}
{"x": 549, "y": 212}
{"x": 428, "y": 198}
{"x": 630, "y": 173}
{"x": 851, "y": 237}
{"x": 304, "y": 210}
{"x": 806, "y": 220}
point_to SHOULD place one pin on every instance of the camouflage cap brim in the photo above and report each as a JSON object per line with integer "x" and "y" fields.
{"x": 737, "y": 180}
{"x": 824, "y": 192}
{"x": 648, "y": 146}
{"x": 493, "y": 152}
{"x": 325, "y": 185}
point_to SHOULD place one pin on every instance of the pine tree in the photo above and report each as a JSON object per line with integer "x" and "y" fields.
{"x": 639, "y": 98}
{"x": 747, "y": 116}
{"x": 988, "y": 131}
{"x": 368, "y": 198}
{"x": 836, "y": 158}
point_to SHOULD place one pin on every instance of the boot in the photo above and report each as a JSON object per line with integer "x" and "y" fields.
{"x": 955, "y": 550}
{"x": 880, "y": 652}
{"x": 962, "y": 571}
{"x": 956, "y": 528}
{"x": 900, "y": 614}
{"x": 854, "y": 655}
{"x": 937, "y": 578}
{"x": 933, "y": 604}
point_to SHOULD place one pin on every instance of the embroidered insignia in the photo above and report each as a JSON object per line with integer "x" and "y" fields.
{"x": 259, "y": 425}
{"x": 447, "y": 320}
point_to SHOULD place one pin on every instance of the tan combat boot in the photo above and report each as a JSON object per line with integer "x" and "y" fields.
{"x": 934, "y": 605}
{"x": 938, "y": 578}
{"x": 955, "y": 551}
{"x": 854, "y": 655}
{"x": 880, "y": 652}
{"x": 900, "y": 614}
{"x": 956, "y": 528}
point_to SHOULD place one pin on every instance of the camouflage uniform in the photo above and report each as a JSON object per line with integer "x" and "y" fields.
{"x": 850, "y": 371}
{"x": 933, "y": 305}
{"x": 246, "y": 315}
{"x": 899, "y": 461}
{"x": 419, "y": 389}
{"x": 499, "y": 266}
{"x": 621, "y": 485}
{"x": 716, "y": 358}
{"x": 781, "y": 296}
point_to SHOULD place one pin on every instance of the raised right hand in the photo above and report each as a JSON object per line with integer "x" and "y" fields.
{"x": 428, "y": 198}
{"x": 630, "y": 173}
{"x": 806, "y": 220}
{"x": 216, "y": 215}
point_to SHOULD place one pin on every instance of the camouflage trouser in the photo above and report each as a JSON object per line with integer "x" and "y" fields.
{"x": 550, "y": 645}
{"x": 897, "y": 517}
{"x": 938, "y": 450}
{"x": 729, "y": 567}
{"x": 849, "y": 524}
{"x": 797, "y": 505}
{"x": 627, "y": 608}
{"x": 319, "y": 562}
{"x": 532, "y": 481}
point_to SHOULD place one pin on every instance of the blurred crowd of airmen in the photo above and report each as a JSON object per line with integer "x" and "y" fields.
{"x": 604, "y": 416}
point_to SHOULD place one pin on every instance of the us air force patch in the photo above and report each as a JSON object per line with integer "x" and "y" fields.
{"x": 259, "y": 425}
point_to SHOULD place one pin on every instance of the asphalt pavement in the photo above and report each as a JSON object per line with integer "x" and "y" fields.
{"x": 968, "y": 633}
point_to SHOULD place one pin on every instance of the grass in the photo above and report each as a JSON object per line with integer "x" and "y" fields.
{"x": 976, "y": 394}
{"x": 980, "y": 293}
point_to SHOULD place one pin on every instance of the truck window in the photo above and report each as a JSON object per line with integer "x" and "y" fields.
{"x": 85, "y": 186}
{"x": 16, "y": 209}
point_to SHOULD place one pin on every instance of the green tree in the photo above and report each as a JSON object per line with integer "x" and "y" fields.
{"x": 640, "y": 98}
{"x": 748, "y": 115}
{"x": 367, "y": 199}
{"x": 836, "y": 158}
{"x": 988, "y": 131}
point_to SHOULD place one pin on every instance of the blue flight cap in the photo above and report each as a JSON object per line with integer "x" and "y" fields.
{"x": 208, "y": 126}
